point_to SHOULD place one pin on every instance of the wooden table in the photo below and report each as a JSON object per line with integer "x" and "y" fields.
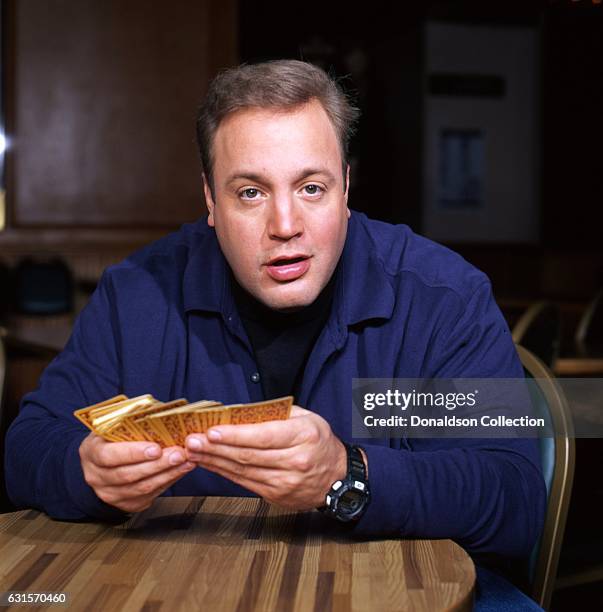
{"x": 221, "y": 554}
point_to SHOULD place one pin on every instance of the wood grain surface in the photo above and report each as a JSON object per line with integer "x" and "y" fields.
{"x": 225, "y": 554}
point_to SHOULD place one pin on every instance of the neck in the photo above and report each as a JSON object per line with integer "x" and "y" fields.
{"x": 251, "y": 308}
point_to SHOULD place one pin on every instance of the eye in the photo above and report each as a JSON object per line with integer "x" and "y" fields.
{"x": 250, "y": 193}
{"x": 313, "y": 189}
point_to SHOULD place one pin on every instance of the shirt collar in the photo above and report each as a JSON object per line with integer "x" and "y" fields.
{"x": 364, "y": 290}
{"x": 205, "y": 284}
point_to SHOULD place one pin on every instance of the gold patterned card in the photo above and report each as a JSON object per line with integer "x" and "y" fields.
{"x": 143, "y": 418}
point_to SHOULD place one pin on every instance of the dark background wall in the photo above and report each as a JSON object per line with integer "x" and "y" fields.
{"x": 101, "y": 100}
{"x": 101, "y": 96}
{"x": 567, "y": 262}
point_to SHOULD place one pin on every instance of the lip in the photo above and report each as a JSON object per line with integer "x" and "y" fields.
{"x": 288, "y": 272}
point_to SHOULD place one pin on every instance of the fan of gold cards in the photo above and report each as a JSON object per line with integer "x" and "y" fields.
{"x": 123, "y": 419}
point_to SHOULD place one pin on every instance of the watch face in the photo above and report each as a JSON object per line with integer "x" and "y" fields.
{"x": 351, "y": 501}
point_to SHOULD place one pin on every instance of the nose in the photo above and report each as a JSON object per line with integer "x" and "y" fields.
{"x": 285, "y": 219}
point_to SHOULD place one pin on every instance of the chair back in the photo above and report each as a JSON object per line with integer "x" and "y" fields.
{"x": 557, "y": 456}
{"x": 589, "y": 333}
{"x": 539, "y": 330}
{"x": 3, "y": 367}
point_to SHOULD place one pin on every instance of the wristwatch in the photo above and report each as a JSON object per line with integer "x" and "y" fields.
{"x": 347, "y": 499}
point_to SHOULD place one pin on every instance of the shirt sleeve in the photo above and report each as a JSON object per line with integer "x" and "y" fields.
{"x": 42, "y": 463}
{"x": 487, "y": 494}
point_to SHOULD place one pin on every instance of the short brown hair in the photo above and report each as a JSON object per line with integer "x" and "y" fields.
{"x": 274, "y": 84}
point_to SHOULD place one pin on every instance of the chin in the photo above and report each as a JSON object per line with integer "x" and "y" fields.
{"x": 285, "y": 298}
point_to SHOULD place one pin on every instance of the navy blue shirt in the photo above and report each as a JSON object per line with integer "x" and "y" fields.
{"x": 164, "y": 322}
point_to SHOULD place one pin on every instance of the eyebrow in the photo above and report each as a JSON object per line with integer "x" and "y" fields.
{"x": 306, "y": 172}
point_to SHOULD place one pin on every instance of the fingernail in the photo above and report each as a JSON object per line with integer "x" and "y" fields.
{"x": 152, "y": 452}
{"x": 176, "y": 457}
{"x": 214, "y": 435}
{"x": 185, "y": 467}
{"x": 194, "y": 444}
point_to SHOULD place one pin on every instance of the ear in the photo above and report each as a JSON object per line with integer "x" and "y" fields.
{"x": 209, "y": 201}
{"x": 347, "y": 189}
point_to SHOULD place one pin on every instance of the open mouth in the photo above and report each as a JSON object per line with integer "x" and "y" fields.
{"x": 287, "y": 262}
{"x": 286, "y": 269}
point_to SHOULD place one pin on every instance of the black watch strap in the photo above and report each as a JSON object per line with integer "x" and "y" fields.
{"x": 356, "y": 467}
{"x": 338, "y": 503}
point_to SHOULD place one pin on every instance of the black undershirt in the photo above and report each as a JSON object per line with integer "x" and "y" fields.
{"x": 282, "y": 341}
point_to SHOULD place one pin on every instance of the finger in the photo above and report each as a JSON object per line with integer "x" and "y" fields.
{"x": 270, "y": 457}
{"x": 128, "y": 474}
{"x": 271, "y": 434}
{"x": 260, "y": 488}
{"x": 152, "y": 485}
{"x": 110, "y": 454}
{"x": 179, "y": 474}
{"x": 259, "y": 475}
{"x": 297, "y": 411}
{"x": 138, "y": 504}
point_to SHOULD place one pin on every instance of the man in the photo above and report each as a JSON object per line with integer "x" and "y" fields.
{"x": 281, "y": 289}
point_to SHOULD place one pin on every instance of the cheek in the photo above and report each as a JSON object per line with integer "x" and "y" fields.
{"x": 332, "y": 234}
{"x": 239, "y": 243}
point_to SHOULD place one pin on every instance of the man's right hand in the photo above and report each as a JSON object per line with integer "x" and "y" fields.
{"x": 130, "y": 475}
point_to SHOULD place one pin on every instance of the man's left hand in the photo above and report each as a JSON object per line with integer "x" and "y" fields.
{"x": 291, "y": 463}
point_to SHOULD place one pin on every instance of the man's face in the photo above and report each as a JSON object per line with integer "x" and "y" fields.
{"x": 280, "y": 210}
